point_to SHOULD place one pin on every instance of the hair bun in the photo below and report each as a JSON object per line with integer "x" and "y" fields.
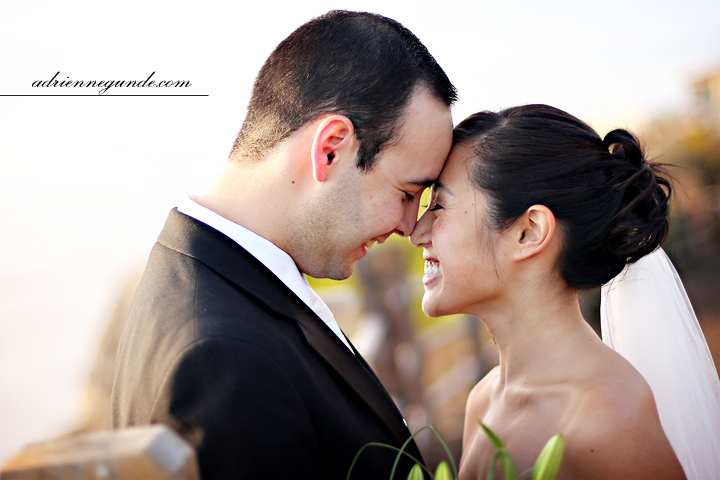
{"x": 640, "y": 223}
{"x": 623, "y": 145}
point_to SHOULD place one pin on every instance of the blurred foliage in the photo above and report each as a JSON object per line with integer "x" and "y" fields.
{"x": 693, "y": 146}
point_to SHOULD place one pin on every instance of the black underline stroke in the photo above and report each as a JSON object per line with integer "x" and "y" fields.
{"x": 108, "y": 95}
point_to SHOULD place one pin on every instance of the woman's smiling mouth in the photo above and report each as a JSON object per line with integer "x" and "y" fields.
{"x": 433, "y": 271}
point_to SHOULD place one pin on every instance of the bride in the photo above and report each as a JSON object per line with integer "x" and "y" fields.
{"x": 532, "y": 206}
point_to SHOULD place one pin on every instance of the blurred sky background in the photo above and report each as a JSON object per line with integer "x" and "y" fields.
{"x": 87, "y": 182}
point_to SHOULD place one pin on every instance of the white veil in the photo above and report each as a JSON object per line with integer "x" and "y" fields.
{"x": 646, "y": 316}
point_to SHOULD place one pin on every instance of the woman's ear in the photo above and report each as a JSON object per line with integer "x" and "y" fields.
{"x": 333, "y": 142}
{"x": 533, "y": 231}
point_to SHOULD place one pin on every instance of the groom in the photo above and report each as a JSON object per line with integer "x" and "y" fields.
{"x": 226, "y": 342}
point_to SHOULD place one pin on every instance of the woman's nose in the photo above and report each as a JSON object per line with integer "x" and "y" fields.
{"x": 421, "y": 234}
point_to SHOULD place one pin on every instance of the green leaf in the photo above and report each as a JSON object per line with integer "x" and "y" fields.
{"x": 403, "y": 452}
{"x": 447, "y": 450}
{"x": 383, "y": 445}
{"x": 526, "y": 473}
{"x": 493, "y": 466}
{"x": 493, "y": 438}
{"x": 415, "y": 473}
{"x": 443, "y": 472}
{"x": 501, "y": 454}
{"x": 547, "y": 464}
{"x": 507, "y": 464}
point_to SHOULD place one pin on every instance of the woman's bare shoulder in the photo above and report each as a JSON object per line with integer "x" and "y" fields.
{"x": 479, "y": 398}
{"x": 616, "y": 432}
{"x": 478, "y": 402}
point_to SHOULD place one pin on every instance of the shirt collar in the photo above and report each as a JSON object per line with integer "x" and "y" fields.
{"x": 269, "y": 254}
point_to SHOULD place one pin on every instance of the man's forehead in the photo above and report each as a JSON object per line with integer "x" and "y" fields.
{"x": 425, "y": 183}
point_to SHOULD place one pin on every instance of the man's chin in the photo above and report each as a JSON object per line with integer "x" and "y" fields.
{"x": 341, "y": 277}
{"x": 333, "y": 272}
{"x": 342, "y": 270}
{"x": 344, "y": 274}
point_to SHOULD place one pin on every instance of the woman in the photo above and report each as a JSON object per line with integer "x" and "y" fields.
{"x": 531, "y": 206}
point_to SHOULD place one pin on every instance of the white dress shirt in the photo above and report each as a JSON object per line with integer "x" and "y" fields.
{"x": 270, "y": 255}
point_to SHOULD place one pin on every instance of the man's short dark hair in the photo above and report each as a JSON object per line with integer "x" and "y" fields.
{"x": 361, "y": 65}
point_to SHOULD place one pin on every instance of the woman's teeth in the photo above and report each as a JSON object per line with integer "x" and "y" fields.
{"x": 432, "y": 268}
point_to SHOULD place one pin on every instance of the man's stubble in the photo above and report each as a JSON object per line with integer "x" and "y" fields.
{"x": 328, "y": 227}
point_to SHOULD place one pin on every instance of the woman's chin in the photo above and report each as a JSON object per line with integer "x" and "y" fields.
{"x": 427, "y": 306}
{"x": 431, "y": 307}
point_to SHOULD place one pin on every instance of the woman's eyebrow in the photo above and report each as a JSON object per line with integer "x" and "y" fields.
{"x": 439, "y": 185}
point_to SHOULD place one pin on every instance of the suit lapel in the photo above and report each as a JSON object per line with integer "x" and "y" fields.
{"x": 223, "y": 255}
{"x": 220, "y": 253}
{"x": 352, "y": 368}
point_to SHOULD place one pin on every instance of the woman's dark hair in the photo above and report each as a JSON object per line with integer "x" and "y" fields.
{"x": 610, "y": 203}
{"x": 361, "y": 65}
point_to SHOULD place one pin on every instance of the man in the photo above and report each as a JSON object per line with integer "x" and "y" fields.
{"x": 226, "y": 342}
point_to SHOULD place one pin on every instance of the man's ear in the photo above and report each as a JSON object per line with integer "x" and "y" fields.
{"x": 533, "y": 231}
{"x": 333, "y": 142}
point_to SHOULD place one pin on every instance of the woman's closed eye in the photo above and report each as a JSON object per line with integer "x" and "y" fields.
{"x": 435, "y": 207}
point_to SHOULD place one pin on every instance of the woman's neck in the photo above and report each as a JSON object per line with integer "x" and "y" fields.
{"x": 538, "y": 332}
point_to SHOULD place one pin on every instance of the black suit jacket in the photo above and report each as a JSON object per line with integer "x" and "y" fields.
{"x": 217, "y": 347}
